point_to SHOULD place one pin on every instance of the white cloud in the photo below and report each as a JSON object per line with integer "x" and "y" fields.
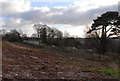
{"x": 91, "y": 4}
{"x": 19, "y": 13}
{"x": 13, "y": 22}
{"x": 70, "y": 16}
{"x": 13, "y": 7}
{"x": 76, "y": 31}
{"x": 1, "y": 23}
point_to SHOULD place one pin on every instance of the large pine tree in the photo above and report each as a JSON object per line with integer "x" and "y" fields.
{"x": 108, "y": 25}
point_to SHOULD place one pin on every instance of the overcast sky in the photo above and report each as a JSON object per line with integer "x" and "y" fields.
{"x": 65, "y": 15}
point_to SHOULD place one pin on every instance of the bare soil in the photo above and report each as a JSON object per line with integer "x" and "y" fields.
{"x": 24, "y": 62}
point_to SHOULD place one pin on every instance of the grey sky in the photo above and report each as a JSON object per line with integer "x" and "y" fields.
{"x": 20, "y": 14}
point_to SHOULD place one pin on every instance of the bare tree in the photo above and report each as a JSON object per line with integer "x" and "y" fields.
{"x": 41, "y": 32}
{"x": 66, "y": 34}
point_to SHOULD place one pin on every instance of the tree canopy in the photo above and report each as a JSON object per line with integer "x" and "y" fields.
{"x": 109, "y": 23}
{"x": 104, "y": 27}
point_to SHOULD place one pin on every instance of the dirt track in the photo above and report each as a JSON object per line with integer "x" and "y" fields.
{"x": 22, "y": 62}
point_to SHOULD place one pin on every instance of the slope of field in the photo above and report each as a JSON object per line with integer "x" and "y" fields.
{"x": 23, "y": 62}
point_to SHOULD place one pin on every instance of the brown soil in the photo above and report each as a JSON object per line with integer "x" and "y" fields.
{"x": 23, "y": 62}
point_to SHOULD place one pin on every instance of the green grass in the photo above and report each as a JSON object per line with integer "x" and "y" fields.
{"x": 105, "y": 71}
